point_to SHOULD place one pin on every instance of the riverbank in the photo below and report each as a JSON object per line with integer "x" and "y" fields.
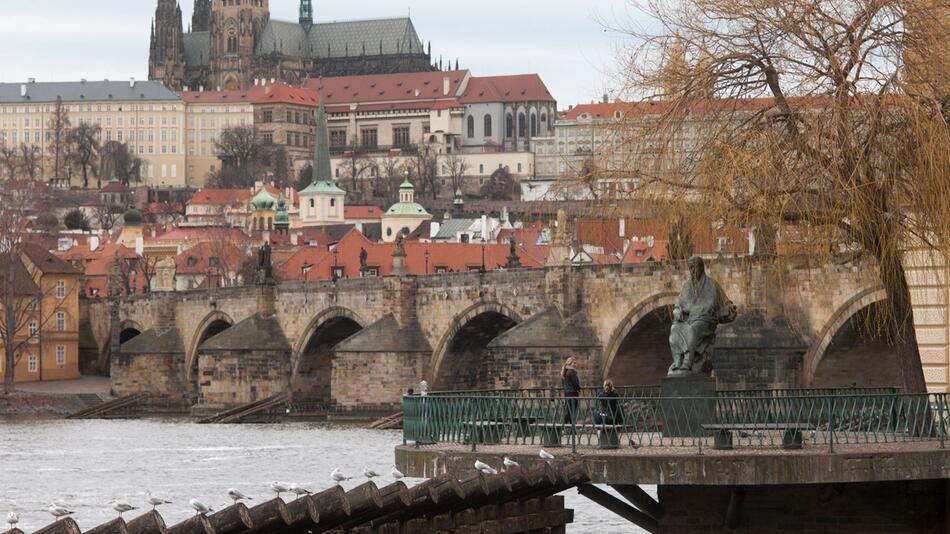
{"x": 25, "y": 404}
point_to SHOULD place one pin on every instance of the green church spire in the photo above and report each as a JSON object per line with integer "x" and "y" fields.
{"x": 321, "y": 145}
{"x": 306, "y": 15}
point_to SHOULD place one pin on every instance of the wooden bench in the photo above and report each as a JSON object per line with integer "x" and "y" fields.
{"x": 485, "y": 432}
{"x": 608, "y": 436}
{"x": 791, "y": 433}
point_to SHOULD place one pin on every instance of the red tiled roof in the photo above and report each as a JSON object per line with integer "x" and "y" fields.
{"x": 233, "y": 235}
{"x": 215, "y": 97}
{"x": 642, "y": 252}
{"x": 259, "y": 94}
{"x": 362, "y": 212}
{"x": 516, "y": 88}
{"x": 220, "y": 197}
{"x": 389, "y": 87}
{"x": 117, "y": 187}
{"x": 197, "y": 259}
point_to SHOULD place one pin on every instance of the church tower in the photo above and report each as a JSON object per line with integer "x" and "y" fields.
{"x": 166, "y": 62}
{"x": 306, "y": 15}
{"x": 201, "y": 17}
{"x": 236, "y": 27}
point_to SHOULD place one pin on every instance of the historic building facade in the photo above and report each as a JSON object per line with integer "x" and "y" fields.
{"x": 233, "y": 42}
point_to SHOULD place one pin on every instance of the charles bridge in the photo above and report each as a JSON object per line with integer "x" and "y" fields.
{"x": 359, "y": 344}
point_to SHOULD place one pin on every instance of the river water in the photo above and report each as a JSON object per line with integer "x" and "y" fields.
{"x": 85, "y": 464}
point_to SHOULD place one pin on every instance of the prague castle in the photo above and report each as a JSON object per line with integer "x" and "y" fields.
{"x": 231, "y": 43}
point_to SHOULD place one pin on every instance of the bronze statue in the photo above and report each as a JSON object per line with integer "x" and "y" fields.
{"x": 264, "y": 264}
{"x": 702, "y": 306}
{"x": 364, "y": 256}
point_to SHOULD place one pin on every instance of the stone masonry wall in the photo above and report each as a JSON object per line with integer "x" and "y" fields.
{"x": 155, "y": 374}
{"x": 231, "y": 379}
{"x": 371, "y": 382}
{"x": 538, "y": 367}
{"x": 866, "y": 508}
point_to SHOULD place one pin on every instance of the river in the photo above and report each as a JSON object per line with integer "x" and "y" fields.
{"x": 85, "y": 464}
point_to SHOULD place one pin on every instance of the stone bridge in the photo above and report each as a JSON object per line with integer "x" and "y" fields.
{"x": 359, "y": 344}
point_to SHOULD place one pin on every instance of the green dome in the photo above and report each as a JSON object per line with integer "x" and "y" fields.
{"x": 263, "y": 200}
{"x": 132, "y": 217}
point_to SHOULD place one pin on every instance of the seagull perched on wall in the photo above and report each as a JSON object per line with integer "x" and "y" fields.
{"x": 155, "y": 501}
{"x": 298, "y": 490}
{"x": 338, "y": 476}
{"x": 545, "y": 455}
{"x": 121, "y": 506}
{"x": 397, "y": 474}
{"x": 200, "y": 507}
{"x": 369, "y": 473}
{"x": 279, "y": 487}
{"x": 237, "y": 496}
{"x": 58, "y": 512}
{"x": 12, "y": 519}
{"x": 509, "y": 463}
{"x": 485, "y": 468}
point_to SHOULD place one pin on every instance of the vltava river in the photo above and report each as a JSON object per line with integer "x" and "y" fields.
{"x": 85, "y": 464}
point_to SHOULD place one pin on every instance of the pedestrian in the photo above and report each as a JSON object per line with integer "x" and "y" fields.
{"x": 572, "y": 389}
{"x": 609, "y": 405}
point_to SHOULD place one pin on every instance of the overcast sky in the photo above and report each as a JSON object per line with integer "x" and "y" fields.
{"x": 562, "y": 40}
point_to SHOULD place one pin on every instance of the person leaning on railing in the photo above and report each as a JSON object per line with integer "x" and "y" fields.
{"x": 609, "y": 405}
{"x": 572, "y": 388}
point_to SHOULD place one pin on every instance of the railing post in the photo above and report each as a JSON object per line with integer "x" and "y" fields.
{"x": 941, "y": 409}
{"x": 831, "y": 426}
{"x": 574, "y": 413}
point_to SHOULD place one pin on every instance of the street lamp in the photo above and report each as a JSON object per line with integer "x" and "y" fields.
{"x": 426, "y": 255}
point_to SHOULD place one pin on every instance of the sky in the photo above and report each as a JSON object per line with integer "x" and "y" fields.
{"x": 565, "y": 41}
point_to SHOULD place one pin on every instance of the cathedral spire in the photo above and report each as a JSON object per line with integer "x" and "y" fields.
{"x": 321, "y": 145}
{"x": 306, "y": 15}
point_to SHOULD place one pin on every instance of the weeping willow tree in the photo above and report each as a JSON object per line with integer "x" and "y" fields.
{"x": 820, "y": 126}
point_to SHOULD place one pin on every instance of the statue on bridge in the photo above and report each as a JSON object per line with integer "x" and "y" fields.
{"x": 701, "y": 307}
{"x": 265, "y": 265}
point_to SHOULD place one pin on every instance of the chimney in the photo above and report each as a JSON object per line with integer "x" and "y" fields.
{"x": 139, "y": 245}
{"x": 22, "y": 90}
{"x": 446, "y": 86}
{"x": 606, "y": 99}
{"x": 623, "y": 227}
{"x": 201, "y": 88}
{"x": 484, "y": 228}
{"x": 93, "y": 243}
{"x": 132, "y": 83}
{"x": 294, "y": 239}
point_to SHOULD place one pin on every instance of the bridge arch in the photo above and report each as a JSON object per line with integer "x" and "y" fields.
{"x": 311, "y": 366}
{"x": 213, "y": 324}
{"x": 841, "y": 352}
{"x": 129, "y": 329}
{"x": 468, "y": 335}
{"x": 638, "y": 351}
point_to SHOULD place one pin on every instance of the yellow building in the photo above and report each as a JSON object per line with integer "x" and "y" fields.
{"x": 208, "y": 114}
{"x": 48, "y": 329}
{"x": 146, "y": 115}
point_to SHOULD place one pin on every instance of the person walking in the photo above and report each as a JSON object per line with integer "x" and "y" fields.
{"x": 572, "y": 389}
{"x": 609, "y": 405}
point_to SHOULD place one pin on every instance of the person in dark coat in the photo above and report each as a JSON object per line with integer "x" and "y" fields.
{"x": 609, "y": 405}
{"x": 572, "y": 388}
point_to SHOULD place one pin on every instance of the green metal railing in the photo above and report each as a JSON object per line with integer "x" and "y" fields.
{"x": 753, "y": 418}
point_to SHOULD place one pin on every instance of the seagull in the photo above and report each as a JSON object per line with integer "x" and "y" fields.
{"x": 509, "y": 463}
{"x": 397, "y": 474}
{"x": 279, "y": 487}
{"x": 237, "y": 496}
{"x": 545, "y": 455}
{"x": 155, "y": 501}
{"x": 485, "y": 468}
{"x": 58, "y": 512}
{"x": 369, "y": 473}
{"x": 634, "y": 444}
{"x": 12, "y": 519}
{"x": 338, "y": 476}
{"x": 296, "y": 489}
{"x": 121, "y": 506}
{"x": 200, "y": 507}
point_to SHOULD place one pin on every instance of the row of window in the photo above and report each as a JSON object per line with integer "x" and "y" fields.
{"x": 32, "y": 362}
{"x": 293, "y": 116}
{"x": 369, "y": 137}
{"x": 89, "y": 108}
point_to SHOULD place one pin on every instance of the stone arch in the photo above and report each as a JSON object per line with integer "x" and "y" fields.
{"x": 129, "y": 329}
{"x": 639, "y": 321}
{"x": 489, "y": 311}
{"x": 839, "y": 323}
{"x": 211, "y": 325}
{"x": 324, "y": 332}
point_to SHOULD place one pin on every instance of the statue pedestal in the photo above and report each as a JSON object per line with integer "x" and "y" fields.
{"x": 689, "y": 402}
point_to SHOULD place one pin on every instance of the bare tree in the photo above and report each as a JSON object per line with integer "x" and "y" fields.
{"x": 31, "y": 161}
{"x": 795, "y": 117}
{"x": 391, "y": 173}
{"x": 456, "y": 167}
{"x": 424, "y": 169}
{"x": 355, "y": 170}
{"x": 85, "y": 138}
{"x": 59, "y": 149}
{"x": 9, "y": 160}
{"x": 107, "y": 214}
{"x": 238, "y": 151}
{"x": 118, "y": 161}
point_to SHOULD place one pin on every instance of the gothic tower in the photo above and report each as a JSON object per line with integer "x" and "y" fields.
{"x": 236, "y": 28}
{"x": 201, "y": 17}
{"x": 166, "y": 61}
{"x": 306, "y": 15}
